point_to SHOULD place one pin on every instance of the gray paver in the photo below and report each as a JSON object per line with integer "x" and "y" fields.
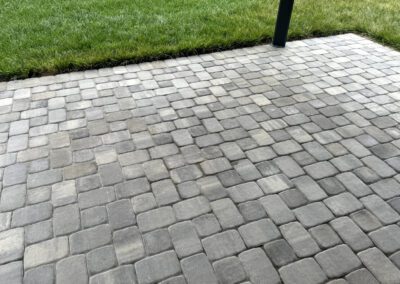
{"x": 387, "y": 239}
{"x": 343, "y": 204}
{"x": 157, "y": 267}
{"x": 197, "y": 269}
{"x": 227, "y": 213}
{"x": 325, "y": 236}
{"x": 313, "y": 214}
{"x": 45, "y": 252}
{"x": 121, "y": 274}
{"x": 258, "y": 266}
{"x": 223, "y": 244}
{"x": 42, "y": 274}
{"x": 89, "y": 239}
{"x": 157, "y": 241}
{"x": 305, "y": 271}
{"x": 11, "y": 272}
{"x": 66, "y": 219}
{"x": 190, "y": 208}
{"x": 380, "y": 266}
{"x": 276, "y": 209}
{"x": 351, "y": 233}
{"x": 259, "y": 232}
{"x": 11, "y": 244}
{"x": 72, "y": 269}
{"x": 128, "y": 245}
{"x": 361, "y": 276}
{"x": 229, "y": 270}
{"x": 185, "y": 239}
{"x": 156, "y": 218}
{"x": 299, "y": 239}
{"x": 120, "y": 214}
{"x": 338, "y": 261}
{"x": 101, "y": 259}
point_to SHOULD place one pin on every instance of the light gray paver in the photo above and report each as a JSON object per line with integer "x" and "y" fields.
{"x": 11, "y": 272}
{"x": 157, "y": 267}
{"x": 121, "y": 274}
{"x": 72, "y": 270}
{"x": 300, "y": 240}
{"x": 11, "y": 245}
{"x": 89, "y": 239}
{"x": 338, "y": 261}
{"x": 197, "y": 269}
{"x": 223, "y": 244}
{"x": 380, "y": 266}
{"x": 218, "y": 167}
{"x": 305, "y": 271}
{"x": 258, "y": 266}
{"x": 128, "y": 245}
{"x": 45, "y": 252}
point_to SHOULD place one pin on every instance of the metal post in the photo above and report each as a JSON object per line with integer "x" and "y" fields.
{"x": 282, "y": 22}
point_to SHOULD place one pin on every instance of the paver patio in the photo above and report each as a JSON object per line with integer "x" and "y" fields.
{"x": 256, "y": 165}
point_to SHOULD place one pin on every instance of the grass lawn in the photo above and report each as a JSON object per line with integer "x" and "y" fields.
{"x": 50, "y": 36}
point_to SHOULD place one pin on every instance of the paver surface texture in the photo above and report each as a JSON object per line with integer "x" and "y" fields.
{"x": 256, "y": 165}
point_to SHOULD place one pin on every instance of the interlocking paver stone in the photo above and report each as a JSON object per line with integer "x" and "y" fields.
{"x": 89, "y": 239}
{"x": 343, "y": 204}
{"x": 197, "y": 269}
{"x": 274, "y": 184}
{"x": 276, "y": 209}
{"x": 351, "y": 233}
{"x": 313, "y": 214}
{"x": 156, "y": 218}
{"x": 121, "y": 274}
{"x": 153, "y": 163}
{"x": 190, "y": 208}
{"x": 387, "y": 239}
{"x": 12, "y": 197}
{"x": 258, "y": 266}
{"x": 305, "y": 271}
{"x": 338, "y": 261}
{"x": 310, "y": 188}
{"x": 45, "y": 252}
{"x": 223, "y": 244}
{"x": 185, "y": 239}
{"x": 299, "y": 239}
{"x": 157, "y": 267}
{"x": 380, "y": 266}
{"x": 280, "y": 252}
{"x": 361, "y": 276}
{"x": 128, "y": 245}
{"x": 31, "y": 214}
{"x": 325, "y": 236}
{"x": 66, "y": 219}
{"x": 11, "y": 272}
{"x": 229, "y": 270}
{"x": 72, "y": 269}
{"x": 42, "y": 274}
{"x": 227, "y": 213}
{"x": 259, "y": 232}
{"x": 101, "y": 259}
{"x": 11, "y": 245}
{"x": 157, "y": 241}
{"x": 385, "y": 213}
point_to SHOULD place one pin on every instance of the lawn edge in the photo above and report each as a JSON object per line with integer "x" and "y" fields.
{"x": 109, "y": 63}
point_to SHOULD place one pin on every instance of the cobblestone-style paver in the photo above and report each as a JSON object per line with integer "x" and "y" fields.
{"x": 256, "y": 165}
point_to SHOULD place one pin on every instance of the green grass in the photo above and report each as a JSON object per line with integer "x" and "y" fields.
{"x": 51, "y": 36}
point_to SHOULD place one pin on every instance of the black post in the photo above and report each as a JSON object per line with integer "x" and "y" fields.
{"x": 282, "y": 22}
